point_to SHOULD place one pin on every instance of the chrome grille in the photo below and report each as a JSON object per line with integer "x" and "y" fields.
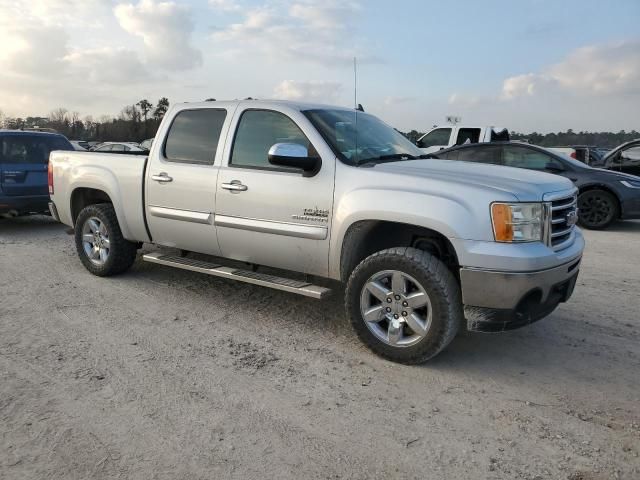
{"x": 561, "y": 228}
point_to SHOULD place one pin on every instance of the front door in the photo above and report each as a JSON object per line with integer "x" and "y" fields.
{"x": 181, "y": 180}
{"x": 269, "y": 215}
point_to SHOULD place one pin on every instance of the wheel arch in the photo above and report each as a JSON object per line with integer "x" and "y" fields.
{"x": 82, "y": 197}
{"x": 365, "y": 237}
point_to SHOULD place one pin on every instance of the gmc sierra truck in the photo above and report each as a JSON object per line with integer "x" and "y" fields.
{"x": 425, "y": 247}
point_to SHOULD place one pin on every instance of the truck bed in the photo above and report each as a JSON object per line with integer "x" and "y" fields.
{"x": 120, "y": 176}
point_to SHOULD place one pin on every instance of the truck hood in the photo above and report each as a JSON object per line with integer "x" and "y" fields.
{"x": 524, "y": 185}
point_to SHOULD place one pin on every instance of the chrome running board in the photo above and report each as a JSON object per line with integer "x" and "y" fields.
{"x": 255, "y": 278}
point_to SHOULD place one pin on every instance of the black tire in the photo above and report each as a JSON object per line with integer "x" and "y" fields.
{"x": 436, "y": 280}
{"x": 597, "y": 209}
{"x": 122, "y": 252}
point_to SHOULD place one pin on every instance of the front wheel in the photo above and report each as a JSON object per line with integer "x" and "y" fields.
{"x": 99, "y": 242}
{"x": 597, "y": 209}
{"x": 404, "y": 304}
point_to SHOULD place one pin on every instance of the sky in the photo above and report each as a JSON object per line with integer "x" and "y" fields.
{"x": 528, "y": 65}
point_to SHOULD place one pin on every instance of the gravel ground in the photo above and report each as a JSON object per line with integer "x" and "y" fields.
{"x": 165, "y": 374}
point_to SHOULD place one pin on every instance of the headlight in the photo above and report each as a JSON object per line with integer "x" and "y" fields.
{"x": 631, "y": 183}
{"x": 517, "y": 222}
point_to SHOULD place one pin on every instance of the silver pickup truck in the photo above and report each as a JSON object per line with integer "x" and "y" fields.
{"x": 425, "y": 247}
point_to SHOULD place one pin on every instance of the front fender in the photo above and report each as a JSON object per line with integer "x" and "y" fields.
{"x": 451, "y": 216}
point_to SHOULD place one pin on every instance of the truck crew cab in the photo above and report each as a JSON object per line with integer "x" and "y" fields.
{"x": 424, "y": 247}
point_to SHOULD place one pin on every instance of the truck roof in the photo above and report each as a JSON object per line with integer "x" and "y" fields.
{"x": 295, "y": 105}
{"x": 28, "y": 132}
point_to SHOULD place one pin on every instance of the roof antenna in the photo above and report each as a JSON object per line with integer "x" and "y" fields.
{"x": 355, "y": 105}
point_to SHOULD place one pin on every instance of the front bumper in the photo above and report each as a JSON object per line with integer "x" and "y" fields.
{"x": 500, "y": 300}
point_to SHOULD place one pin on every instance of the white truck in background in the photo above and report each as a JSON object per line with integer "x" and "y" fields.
{"x": 441, "y": 137}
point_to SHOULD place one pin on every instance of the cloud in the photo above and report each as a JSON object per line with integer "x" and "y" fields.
{"x": 312, "y": 91}
{"x": 398, "y": 100}
{"x": 305, "y": 31}
{"x": 611, "y": 69}
{"x": 225, "y": 5}
{"x": 165, "y": 28}
{"x": 40, "y": 69}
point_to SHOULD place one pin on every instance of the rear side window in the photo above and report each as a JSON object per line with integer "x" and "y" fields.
{"x": 468, "y": 135}
{"x": 193, "y": 136}
{"x": 258, "y": 131}
{"x": 489, "y": 155}
{"x": 437, "y": 138}
{"x": 30, "y": 148}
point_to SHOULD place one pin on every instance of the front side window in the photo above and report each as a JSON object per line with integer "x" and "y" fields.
{"x": 483, "y": 154}
{"x": 193, "y": 136}
{"x": 30, "y": 148}
{"x": 118, "y": 148}
{"x": 522, "y": 157}
{"x": 258, "y": 131}
{"x": 357, "y": 137}
{"x": 437, "y": 138}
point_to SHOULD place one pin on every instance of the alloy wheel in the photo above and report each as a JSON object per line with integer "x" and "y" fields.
{"x": 396, "y": 308}
{"x": 95, "y": 241}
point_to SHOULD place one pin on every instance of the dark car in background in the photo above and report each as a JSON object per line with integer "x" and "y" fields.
{"x": 625, "y": 158}
{"x": 604, "y": 195}
{"x": 24, "y": 158}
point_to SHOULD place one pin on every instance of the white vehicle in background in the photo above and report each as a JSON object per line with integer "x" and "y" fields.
{"x": 119, "y": 147}
{"x": 146, "y": 144}
{"x": 441, "y": 137}
{"x": 80, "y": 145}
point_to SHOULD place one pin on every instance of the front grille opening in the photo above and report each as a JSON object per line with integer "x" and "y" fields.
{"x": 562, "y": 210}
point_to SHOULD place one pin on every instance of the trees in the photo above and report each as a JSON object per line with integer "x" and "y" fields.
{"x": 145, "y": 108}
{"x": 161, "y": 108}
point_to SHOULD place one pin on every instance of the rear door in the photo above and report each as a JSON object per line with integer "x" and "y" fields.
{"x": 181, "y": 179}
{"x": 23, "y": 162}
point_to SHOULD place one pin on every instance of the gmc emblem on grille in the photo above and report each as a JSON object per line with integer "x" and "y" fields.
{"x": 572, "y": 218}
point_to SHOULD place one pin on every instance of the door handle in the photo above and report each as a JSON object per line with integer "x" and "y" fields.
{"x": 234, "y": 186}
{"x": 162, "y": 178}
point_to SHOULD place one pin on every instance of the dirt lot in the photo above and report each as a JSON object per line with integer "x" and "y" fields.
{"x": 167, "y": 374}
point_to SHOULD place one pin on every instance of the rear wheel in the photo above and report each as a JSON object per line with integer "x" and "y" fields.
{"x": 404, "y": 304}
{"x": 99, "y": 242}
{"x": 597, "y": 209}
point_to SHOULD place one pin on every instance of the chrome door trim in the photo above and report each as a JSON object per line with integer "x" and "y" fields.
{"x": 268, "y": 226}
{"x": 182, "y": 215}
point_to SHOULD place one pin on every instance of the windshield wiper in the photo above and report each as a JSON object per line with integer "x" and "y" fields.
{"x": 387, "y": 158}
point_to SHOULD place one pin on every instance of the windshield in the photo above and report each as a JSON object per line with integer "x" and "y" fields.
{"x": 357, "y": 137}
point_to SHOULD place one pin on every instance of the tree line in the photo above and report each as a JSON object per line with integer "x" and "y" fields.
{"x": 135, "y": 123}
{"x": 141, "y": 121}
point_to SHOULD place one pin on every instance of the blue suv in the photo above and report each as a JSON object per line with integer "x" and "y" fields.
{"x": 24, "y": 158}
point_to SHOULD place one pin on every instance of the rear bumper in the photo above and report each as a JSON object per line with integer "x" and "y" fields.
{"x": 54, "y": 211}
{"x": 496, "y": 300}
{"x": 23, "y": 205}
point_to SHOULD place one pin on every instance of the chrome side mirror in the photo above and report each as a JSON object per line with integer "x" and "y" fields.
{"x": 294, "y": 155}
